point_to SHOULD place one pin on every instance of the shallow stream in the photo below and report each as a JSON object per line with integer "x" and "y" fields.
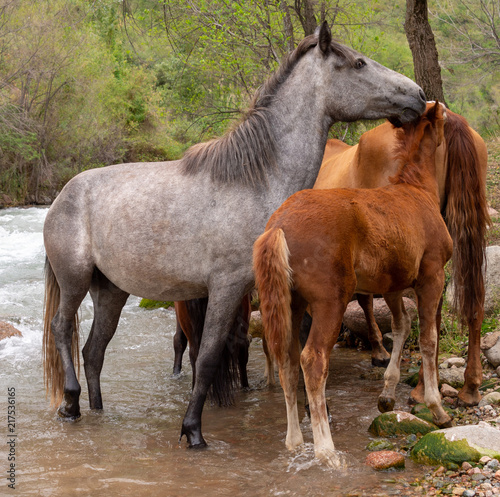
{"x": 132, "y": 448}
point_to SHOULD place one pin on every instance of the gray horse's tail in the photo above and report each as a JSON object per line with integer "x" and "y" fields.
{"x": 53, "y": 373}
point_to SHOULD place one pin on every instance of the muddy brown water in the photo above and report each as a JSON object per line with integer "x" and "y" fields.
{"x": 132, "y": 447}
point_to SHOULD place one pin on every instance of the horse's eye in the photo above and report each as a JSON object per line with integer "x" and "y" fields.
{"x": 359, "y": 64}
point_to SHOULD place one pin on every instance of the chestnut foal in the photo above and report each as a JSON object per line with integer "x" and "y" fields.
{"x": 322, "y": 246}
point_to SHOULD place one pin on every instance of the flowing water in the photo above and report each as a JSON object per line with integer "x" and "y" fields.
{"x": 132, "y": 448}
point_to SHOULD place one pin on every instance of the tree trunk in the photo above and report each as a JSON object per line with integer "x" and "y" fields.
{"x": 305, "y": 13}
{"x": 288, "y": 26}
{"x": 423, "y": 49}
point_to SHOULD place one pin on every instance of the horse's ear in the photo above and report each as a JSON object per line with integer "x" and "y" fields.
{"x": 437, "y": 115}
{"x": 324, "y": 38}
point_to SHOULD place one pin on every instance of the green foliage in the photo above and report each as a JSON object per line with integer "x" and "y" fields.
{"x": 154, "y": 304}
{"x": 87, "y": 84}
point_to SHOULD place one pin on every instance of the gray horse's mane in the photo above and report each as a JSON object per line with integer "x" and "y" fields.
{"x": 246, "y": 152}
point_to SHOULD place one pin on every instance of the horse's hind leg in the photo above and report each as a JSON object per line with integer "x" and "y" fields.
{"x": 108, "y": 304}
{"x": 269, "y": 368}
{"x": 289, "y": 375}
{"x": 469, "y": 394}
{"x": 401, "y": 326}
{"x": 380, "y": 356}
{"x": 63, "y": 327}
{"x": 314, "y": 359}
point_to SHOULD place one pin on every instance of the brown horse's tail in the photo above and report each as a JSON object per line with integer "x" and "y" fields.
{"x": 466, "y": 216}
{"x": 52, "y": 367}
{"x": 273, "y": 277}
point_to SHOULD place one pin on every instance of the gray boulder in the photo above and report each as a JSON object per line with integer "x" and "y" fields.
{"x": 452, "y": 376}
{"x": 492, "y": 281}
{"x": 452, "y": 446}
{"x": 490, "y": 346}
{"x": 354, "y": 317}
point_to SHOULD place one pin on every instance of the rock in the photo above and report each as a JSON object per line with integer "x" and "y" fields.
{"x": 498, "y": 371}
{"x": 459, "y": 362}
{"x": 375, "y": 373}
{"x": 411, "y": 380}
{"x": 395, "y": 423}
{"x": 423, "y": 412}
{"x": 388, "y": 341}
{"x": 453, "y": 446}
{"x": 469, "y": 493}
{"x": 490, "y": 346}
{"x": 452, "y": 376}
{"x": 448, "y": 391}
{"x": 492, "y": 282}
{"x": 379, "y": 444}
{"x": 354, "y": 317}
{"x": 491, "y": 399}
{"x": 385, "y": 459}
{"x": 466, "y": 466}
{"x": 7, "y": 331}
{"x": 256, "y": 330}
{"x": 5, "y": 200}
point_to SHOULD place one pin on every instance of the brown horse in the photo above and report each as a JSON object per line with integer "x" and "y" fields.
{"x": 460, "y": 162}
{"x": 190, "y": 316}
{"x": 322, "y": 246}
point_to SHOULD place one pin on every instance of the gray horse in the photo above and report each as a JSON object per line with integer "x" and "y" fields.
{"x": 185, "y": 229}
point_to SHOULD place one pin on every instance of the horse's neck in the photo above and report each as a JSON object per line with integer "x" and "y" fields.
{"x": 425, "y": 167}
{"x": 301, "y": 128}
{"x": 374, "y": 162}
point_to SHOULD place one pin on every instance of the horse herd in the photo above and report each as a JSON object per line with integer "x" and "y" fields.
{"x": 184, "y": 230}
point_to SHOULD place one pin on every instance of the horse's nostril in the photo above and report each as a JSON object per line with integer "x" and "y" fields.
{"x": 422, "y": 95}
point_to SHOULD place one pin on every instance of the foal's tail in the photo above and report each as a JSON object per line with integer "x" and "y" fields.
{"x": 53, "y": 373}
{"x": 273, "y": 277}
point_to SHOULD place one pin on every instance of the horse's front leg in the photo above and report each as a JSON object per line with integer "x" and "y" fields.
{"x": 429, "y": 292}
{"x": 221, "y": 311}
{"x": 180, "y": 344}
{"x": 417, "y": 395}
{"x": 401, "y": 326}
{"x": 380, "y": 356}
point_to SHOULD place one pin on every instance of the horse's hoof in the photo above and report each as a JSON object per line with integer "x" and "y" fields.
{"x": 447, "y": 423}
{"x": 331, "y": 458}
{"x": 201, "y": 445}
{"x": 466, "y": 399}
{"x": 66, "y": 416}
{"x": 417, "y": 396}
{"x": 194, "y": 438}
{"x": 380, "y": 363}
{"x": 385, "y": 404}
